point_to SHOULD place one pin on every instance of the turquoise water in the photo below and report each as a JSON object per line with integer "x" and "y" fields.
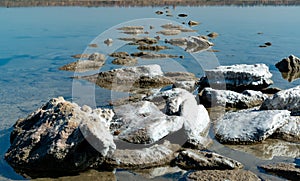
{"x": 36, "y": 41}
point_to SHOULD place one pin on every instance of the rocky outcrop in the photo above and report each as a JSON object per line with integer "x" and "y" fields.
{"x": 226, "y": 98}
{"x": 144, "y": 123}
{"x": 249, "y": 126}
{"x": 94, "y": 62}
{"x": 237, "y": 77}
{"x": 202, "y": 160}
{"x": 61, "y": 136}
{"x": 191, "y": 44}
{"x": 269, "y": 149}
{"x": 290, "y": 131}
{"x": 156, "y": 155}
{"x": 205, "y": 175}
{"x": 284, "y": 100}
{"x": 289, "y": 68}
{"x": 289, "y": 171}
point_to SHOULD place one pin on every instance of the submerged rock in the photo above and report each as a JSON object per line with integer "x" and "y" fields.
{"x": 94, "y": 62}
{"x": 248, "y": 126}
{"x": 202, "y": 160}
{"x": 226, "y": 98}
{"x": 286, "y": 170}
{"x": 290, "y": 131}
{"x": 144, "y": 123}
{"x": 60, "y": 137}
{"x": 238, "y": 77}
{"x": 156, "y": 155}
{"x": 236, "y": 175}
{"x": 284, "y": 100}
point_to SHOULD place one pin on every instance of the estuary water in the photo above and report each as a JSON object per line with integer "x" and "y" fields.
{"x": 35, "y": 42}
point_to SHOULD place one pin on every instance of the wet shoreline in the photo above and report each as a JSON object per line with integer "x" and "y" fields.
{"x": 153, "y": 3}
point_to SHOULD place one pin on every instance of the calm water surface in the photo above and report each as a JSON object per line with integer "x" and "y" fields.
{"x": 36, "y": 41}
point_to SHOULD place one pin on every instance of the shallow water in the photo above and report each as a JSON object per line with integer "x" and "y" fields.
{"x": 35, "y": 42}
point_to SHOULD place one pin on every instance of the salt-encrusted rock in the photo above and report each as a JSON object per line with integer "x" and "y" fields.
{"x": 130, "y": 79}
{"x": 184, "y": 80}
{"x": 284, "y": 100}
{"x": 289, "y": 64}
{"x": 179, "y": 102}
{"x": 202, "y": 160}
{"x": 127, "y": 28}
{"x": 249, "y": 126}
{"x": 191, "y": 44}
{"x": 169, "y": 32}
{"x": 237, "y": 77}
{"x": 269, "y": 149}
{"x": 142, "y": 122}
{"x": 226, "y": 98}
{"x": 156, "y": 155}
{"x": 233, "y": 175}
{"x": 189, "y": 85}
{"x": 94, "y": 62}
{"x": 290, "y": 131}
{"x": 151, "y": 55}
{"x": 128, "y": 61}
{"x": 62, "y": 137}
{"x": 289, "y": 171}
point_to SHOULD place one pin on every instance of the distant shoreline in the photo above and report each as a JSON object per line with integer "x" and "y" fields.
{"x": 143, "y": 3}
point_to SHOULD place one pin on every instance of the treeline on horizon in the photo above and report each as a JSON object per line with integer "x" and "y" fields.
{"x": 127, "y": 3}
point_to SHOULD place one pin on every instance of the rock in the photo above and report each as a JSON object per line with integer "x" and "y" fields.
{"x": 152, "y": 173}
{"x": 213, "y": 35}
{"x": 93, "y": 45}
{"x": 284, "y": 100}
{"x": 184, "y": 80}
{"x": 289, "y": 68}
{"x": 286, "y": 170}
{"x": 119, "y": 54}
{"x": 238, "y": 77}
{"x": 263, "y": 46}
{"x": 269, "y": 149}
{"x": 133, "y": 32}
{"x": 230, "y": 99}
{"x": 182, "y": 15}
{"x": 108, "y": 42}
{"x": 236, "y": 175}
{"x": 268, "y": 43}
{"x": 191, "y": 44}
{"x": 151, "y": 27}
{"x": 79, "y": 56}
{"x": 159, "y": 12}
{"x": 290, "y": 131}
{"x": 128, "y": 61}
{"x": 170, "y": 26}
{"x": 94, "y": 62}
{"x": 150, "y": 55}
{"x": 152, "y": 48}
{"x": 202, "y": 160}
{"x": 60, "y": 137}
{"x": 156, "y": 155}
{"x": 193, "y": 23}
{"x": 189, "y": 85}
{"x": 140, "y": 40}
{"x": 270, "y": 90}
{"x": 169, "y": 32}
{"x": 128, "y": 28}
{"x": 291, "y": 63}
{"x": 246, "y": 127}
{"x": 144, "y": 123}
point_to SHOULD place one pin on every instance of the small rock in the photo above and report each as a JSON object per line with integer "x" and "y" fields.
{"x": 159, "y": 12}
{"x": 169, "y": 32}
{"x": 191, "y": 44}
{"x": 193, "y": 23}
{"x": 268, "y": 43}
{"x": 79, "y": 56}
{"x": 284, "y": 100}
{"x": 223, "y": 175}
{"x": 238, "y": 77}
{"x": 128, "y": 28}
{"x": 263, "y": 46}
{"x": 152, "y": 48}
{"x": 226, "y": 98}
{"x": 246, "y": 127}
{"x": 128, "y": 61}
{"x": 119, "y": 54}
{"x": 182, "y": 15}
{"x": 286, "y": 170}
{"x": 151, "y": 27}
{"x": 213, "y": 35}
{"x": 94, "y": 45}
{"x": 108, "y": 41}
{"x": 150, "y": 55}
{"x": 202, "y": 160}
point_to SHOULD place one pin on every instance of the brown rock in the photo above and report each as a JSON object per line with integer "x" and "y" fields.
{"x": 218, "y": 175}
{"x": 213, "y": 35}
{"x": 286, "y": 170}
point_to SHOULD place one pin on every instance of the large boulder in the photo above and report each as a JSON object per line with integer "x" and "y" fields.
{"x": 289, "y": 64}
{"x": 60, "y": 137}
{"x": 249, "y": 126}
{"x": 202, "y": 160}
{"x": 226, "y": 98}
{"x": 143, "y": 123}
{"x": 156, "y": 155}
{"x": 236, "y": 175}
{"x": 290, "y": 131}
{"x": 284, "y": 100}
{"x": 237, "y": 77}
{"x": 289, "y": 171}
